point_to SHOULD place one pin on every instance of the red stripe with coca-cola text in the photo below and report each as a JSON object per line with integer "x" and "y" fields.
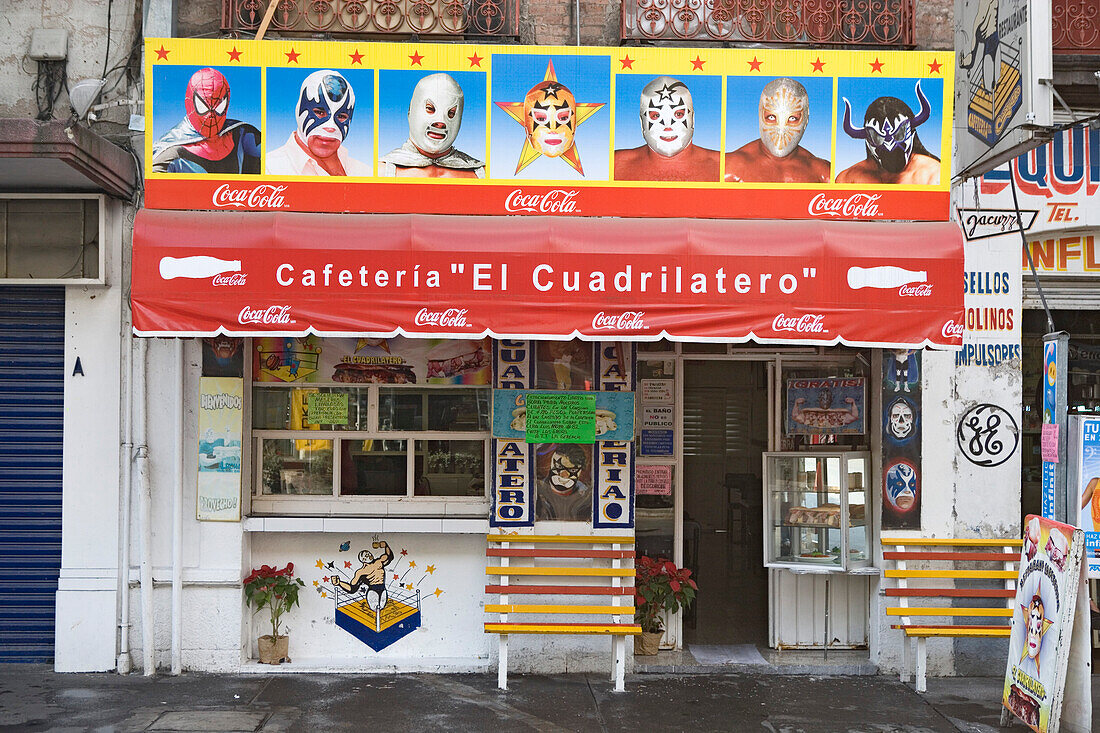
{"x": 735, "y": 201}
{"x": 531, "y": 277}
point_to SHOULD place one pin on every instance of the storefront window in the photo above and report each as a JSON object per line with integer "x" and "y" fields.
{"x": 460, "y": 410}
{"x": 373, "y": 467}
{"x": 455, "y": 467}
{"x": 297, "y": 466}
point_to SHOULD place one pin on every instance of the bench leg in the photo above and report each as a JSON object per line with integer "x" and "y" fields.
{"x": 620, "y": 662}
{"x": 905, "y": 654}
{"x": 502, "y": 664}
{"x": 922, "y": 664}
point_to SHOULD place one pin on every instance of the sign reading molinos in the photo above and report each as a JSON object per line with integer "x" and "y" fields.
{"x": 429, "y": 128}
{"x": 622, "y": 279}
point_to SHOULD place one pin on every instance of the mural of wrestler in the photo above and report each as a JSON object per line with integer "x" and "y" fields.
{"x": 326, "y": 104}
{"x": 776, "y": 155}
{"x": 435, "y": 117}
{"x": 987, "y": 41}
{"x": 895, "y": 153}
{"x": 902, "y": 369}
{"x": 206, "y": 140}
{"x": 667, "y": 114}
{"x": 371, "y": 574}
{"x": 562, "y": 492}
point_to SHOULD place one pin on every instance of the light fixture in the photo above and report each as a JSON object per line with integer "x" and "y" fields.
{"x": 83, "y": 95}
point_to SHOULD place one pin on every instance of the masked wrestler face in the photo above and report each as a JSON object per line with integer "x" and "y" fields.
{"x": 365, "y": 557}
{"x": 901, "y": 486}
{"x": 551, "y": 113}
{"x": 784, "y": 114}
{"x": 435, "y": 114}
{"x": 325, "y": 106}
{"x": 1036, "y": 615}
{"x": 207, "y": 102}
{"x": 565, "y": 468}
{"x": 668, "y": 116}
{"x": 889, "y": 129}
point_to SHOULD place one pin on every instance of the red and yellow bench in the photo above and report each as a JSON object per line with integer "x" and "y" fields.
{"x": 996, "y": 568}
{"x": 557, "y": 569}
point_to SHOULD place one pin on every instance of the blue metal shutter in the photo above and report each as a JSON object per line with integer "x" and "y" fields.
{"x": 32, "y": 336}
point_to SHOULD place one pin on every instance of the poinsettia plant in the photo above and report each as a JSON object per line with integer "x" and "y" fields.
{"x": 660, "y": 586}
{"x": 275, "y": 590}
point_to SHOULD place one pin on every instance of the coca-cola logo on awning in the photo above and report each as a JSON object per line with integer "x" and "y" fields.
{"x": 449, "y": 318}
{"x": 554, "y": 201}
{"x": 261, "y": 196}
{"x": 236, "y": 278}
{"x": 625, "y": 321}
{"x": 857, "y": 205}
{"x": 951, "y": 329}
{"x": 918, "y": 290}
{"x": 808, "y": 323}
{"x": 277, "y": 314}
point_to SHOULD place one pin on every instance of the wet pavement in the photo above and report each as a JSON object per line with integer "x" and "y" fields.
{"x": 36, "y": 699}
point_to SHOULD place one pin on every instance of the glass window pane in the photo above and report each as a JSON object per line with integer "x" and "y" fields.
{"x": 373, "y": 467}
{"x": 457, "y": 410}
{"x": 297, "y": 467}
{"x": 288, "y": 409}
{"x": 455, "y": 468}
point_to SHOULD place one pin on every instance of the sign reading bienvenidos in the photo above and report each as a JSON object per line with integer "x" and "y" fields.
{"x": 561, "y": 418}
{"x": 470, "y": 129}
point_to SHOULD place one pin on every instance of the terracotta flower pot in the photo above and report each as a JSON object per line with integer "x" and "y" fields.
{"x": 274, "y": 649}
{"x": 647, "y": 643}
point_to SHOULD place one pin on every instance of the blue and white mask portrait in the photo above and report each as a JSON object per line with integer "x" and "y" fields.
{"x": 325, "y": 106}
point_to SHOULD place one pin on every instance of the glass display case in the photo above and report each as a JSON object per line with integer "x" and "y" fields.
{"x": 816, "y": 510}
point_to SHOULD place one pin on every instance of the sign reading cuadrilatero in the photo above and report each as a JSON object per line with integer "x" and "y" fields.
{"x": 295, "y": 125}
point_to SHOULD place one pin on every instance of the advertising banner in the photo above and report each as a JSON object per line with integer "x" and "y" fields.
{"x": 599, "y": 279}
{"x": 540, "y": 130}
{"x": 1043, "y": 624}
{"x": 614, "y": 416}
{"x": 826, "y": 406}
{"x": 221, "y": 421}
{"x": 902, "y": 425}
{"x": 1086, "y": 479}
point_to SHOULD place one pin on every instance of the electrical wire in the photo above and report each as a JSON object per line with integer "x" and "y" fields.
{"x": 107, "y": 52}
{"x": 1027, "y": 251}
{"x": 48, "y": 83}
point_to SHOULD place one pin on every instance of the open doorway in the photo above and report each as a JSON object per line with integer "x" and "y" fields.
{"x": 725, "y": 419}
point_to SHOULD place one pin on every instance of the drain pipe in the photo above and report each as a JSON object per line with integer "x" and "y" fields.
{"x": 124, "y": 664}
{"x": 145, "y": 511}
{"x": 177, "y": 522}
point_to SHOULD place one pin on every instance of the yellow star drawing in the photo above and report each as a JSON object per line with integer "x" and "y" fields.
{"x": 315, "y": 584}
{"x": 412, "y": 563}
{"x": 324, "y": 595}
{"x": 320, "y": 564}
{"x": 1047, "y": 623}
{"x": 408, "y": 586}
{"x": 438, "y": 592}
{"x": 431, "y": 569}
{"x": 529, "y": 154}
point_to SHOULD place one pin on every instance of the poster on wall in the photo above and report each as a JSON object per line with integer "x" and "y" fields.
{"x": 1085, "y": 433}
{"x": 832, "y": 406}
{"x": 223, "y": 356}
{"x": 901, "y": 439}
{"x": 1041, "y": 679}
{"x": 544, "y": 130}
{"x": 221, "y": 422}
{"x": 614, "y": 414}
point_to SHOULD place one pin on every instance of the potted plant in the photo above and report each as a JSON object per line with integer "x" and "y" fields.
{"x": 277, "y": 591}
{"x": 659, "y": 586}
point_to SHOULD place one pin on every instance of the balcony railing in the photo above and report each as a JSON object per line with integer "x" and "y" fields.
{"x": 1076, "y": 26}
{"x": 449, "y": 18}
{"x": 842, "y": 22}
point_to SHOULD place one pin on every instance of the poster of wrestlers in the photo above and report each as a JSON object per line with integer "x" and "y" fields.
{"x": 778, "y": 130}
{"x": 395, "y": 360}
{"x": 889, "y": 131}
{"x": 563, "y": 481}
{"x": 206, "y": 120}
{"x": 1042, "y": 621}
{"x": 667, "y": 129}
{"x": 320, "y": 122}
{"x": 901, "y": 427}
{"x": 551, "y": 117}
{"x": 832, "y": 406}
{"x": 431, "y": 124}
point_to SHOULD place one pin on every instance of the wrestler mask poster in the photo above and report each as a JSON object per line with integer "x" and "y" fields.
{"x": 828, "y": 406}
{"x": 201, "y": 102}
{"x": 667, "y": 112}
{"x": 563, "y": 479}
{"x": 223, "y": 356}
{"x": 435, "y": 112}
{"x": 887, "y": 121}
{"x": 784, "y": 116}
{"x": 901, "y": 439}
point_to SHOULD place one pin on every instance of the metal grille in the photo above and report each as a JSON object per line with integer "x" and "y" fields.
{"x": 1076, "y": 26}
{"x": 382, "y": 17}
{"x": 32, "y": 333}
{"x": 841, "y": 22}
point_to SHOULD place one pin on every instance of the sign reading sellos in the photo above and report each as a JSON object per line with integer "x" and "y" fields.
{"x": 297, "y": 125}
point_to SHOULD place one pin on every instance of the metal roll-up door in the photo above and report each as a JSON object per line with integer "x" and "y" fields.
{"x": 32, "y": 340}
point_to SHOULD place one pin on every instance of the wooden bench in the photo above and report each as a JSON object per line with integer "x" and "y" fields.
{"x": 1001, "y": 577}
{"x": 606, "y": 559}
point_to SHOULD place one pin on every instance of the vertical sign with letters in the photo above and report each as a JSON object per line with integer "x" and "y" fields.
{"x": 513, "y": 499}
{"x": 613, "y": 498}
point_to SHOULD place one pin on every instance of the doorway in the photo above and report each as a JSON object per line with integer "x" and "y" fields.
{"x": 725, "y": 433}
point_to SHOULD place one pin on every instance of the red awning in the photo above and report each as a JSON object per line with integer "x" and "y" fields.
{"x": 200, "y": 273}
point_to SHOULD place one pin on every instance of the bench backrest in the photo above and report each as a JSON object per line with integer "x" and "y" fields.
{"x": 997, "y": 560}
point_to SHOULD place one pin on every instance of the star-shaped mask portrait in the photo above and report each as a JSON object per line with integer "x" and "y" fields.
{"x": 550, "y": 114}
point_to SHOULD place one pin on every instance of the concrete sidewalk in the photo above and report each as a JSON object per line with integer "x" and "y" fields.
{"x": 36, "y": 699}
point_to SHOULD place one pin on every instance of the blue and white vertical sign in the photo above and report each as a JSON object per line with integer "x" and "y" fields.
{"x": 1055, "y": 354}
{"x": 1050, "y": 377}
{"x": 613, "y": 498}
{"x": 513, "y": 464}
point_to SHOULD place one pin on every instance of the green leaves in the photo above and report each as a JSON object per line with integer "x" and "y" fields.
{"x": 660, "y": 586}
{"x": 275, "y": 590}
